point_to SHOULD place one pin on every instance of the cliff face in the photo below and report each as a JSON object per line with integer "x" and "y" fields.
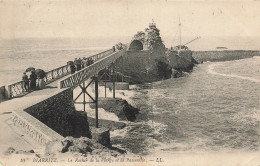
{"x": 139, "y": 66}
{"x": 183, "y": 62}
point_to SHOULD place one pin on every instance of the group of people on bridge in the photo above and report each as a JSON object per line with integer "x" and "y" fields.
{"x": 79, "y": 64}
{"x": 33, "y": 82}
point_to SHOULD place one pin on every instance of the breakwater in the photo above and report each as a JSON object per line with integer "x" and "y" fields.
{"x": 227, "y": 55}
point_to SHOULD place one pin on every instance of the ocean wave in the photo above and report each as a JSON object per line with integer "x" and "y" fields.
{"x": 211, "y": 71}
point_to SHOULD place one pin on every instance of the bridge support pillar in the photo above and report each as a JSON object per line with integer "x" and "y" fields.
{"x": 114, "y": 85}
{"x": 106, "y": 82}
{"x": 85, "y": 92}
{"x": 96, "y": 100}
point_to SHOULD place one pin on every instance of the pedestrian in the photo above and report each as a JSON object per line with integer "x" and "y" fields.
{"x": 90, "y": 61}
{"x": 33, "y": 80}
{"x": 26, "y": 82}
{"x": 40, "y": 83}
{"x": 83, "y": 64}
{"x": 72, "y": 68}
{"x": 78, "y": 64}
{"x": 87, "y": 62}
{"x": 75, "y": 63}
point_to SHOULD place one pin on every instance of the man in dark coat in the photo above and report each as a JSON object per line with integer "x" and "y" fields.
{"x": 72, "y": 68}
{"x": 33, "y": 80}
{"x": 26, "y": 82}
{"x": 78, "y": 64}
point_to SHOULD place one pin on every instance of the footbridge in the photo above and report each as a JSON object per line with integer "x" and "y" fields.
{"x": 105, "y": 63}
{"x": 16, "y": 120}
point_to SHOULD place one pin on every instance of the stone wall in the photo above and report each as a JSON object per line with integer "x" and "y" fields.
{"x": 58, "y": 113}
{"x": 227, "y": 55}
{"x": 32, "y": 127}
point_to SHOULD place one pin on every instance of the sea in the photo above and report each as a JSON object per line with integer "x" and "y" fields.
{"x": 16, "y": 55}
{"x": 214, "y": 108}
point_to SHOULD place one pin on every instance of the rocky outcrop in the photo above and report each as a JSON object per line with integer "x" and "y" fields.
{"x": 101, "y": 135}
{"x": 81, "y": 145}
{"x": 118, "y": 106}
{"x": 148, "y": 60}
{"x": 183, "y": 62}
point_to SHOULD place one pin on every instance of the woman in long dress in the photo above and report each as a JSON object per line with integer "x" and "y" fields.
{"x": 40, "y": 83}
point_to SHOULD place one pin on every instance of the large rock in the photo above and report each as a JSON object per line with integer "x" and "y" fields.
{"x": 81, "y": 145}
{"x": 118, "y": 106}
{"x": 101, "y": 135}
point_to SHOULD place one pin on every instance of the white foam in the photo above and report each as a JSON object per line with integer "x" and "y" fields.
{"x": 211, "y": 71}
{"x": 158, "y": 127}
{"x": 102, "y": 114}
{"x": 119, "y": 132}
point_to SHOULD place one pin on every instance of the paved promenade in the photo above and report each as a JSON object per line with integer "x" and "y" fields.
{"x": 10, "y": 136}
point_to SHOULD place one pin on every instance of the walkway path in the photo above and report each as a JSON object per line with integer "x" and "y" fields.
{"x": 10, "y": 136}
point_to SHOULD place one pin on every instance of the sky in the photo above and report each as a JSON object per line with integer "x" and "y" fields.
{"x": 216, "y": 21}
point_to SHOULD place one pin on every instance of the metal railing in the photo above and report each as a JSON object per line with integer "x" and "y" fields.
{"x": 55, "y": 74}
{"x": 17, "y": 89}
{"x": 101, "y": 55}
{"x": 88, "y": 72}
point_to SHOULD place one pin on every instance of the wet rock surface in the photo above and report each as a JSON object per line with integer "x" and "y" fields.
{"x": 101, "y": 135}
{"x": 118, "y": 106}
